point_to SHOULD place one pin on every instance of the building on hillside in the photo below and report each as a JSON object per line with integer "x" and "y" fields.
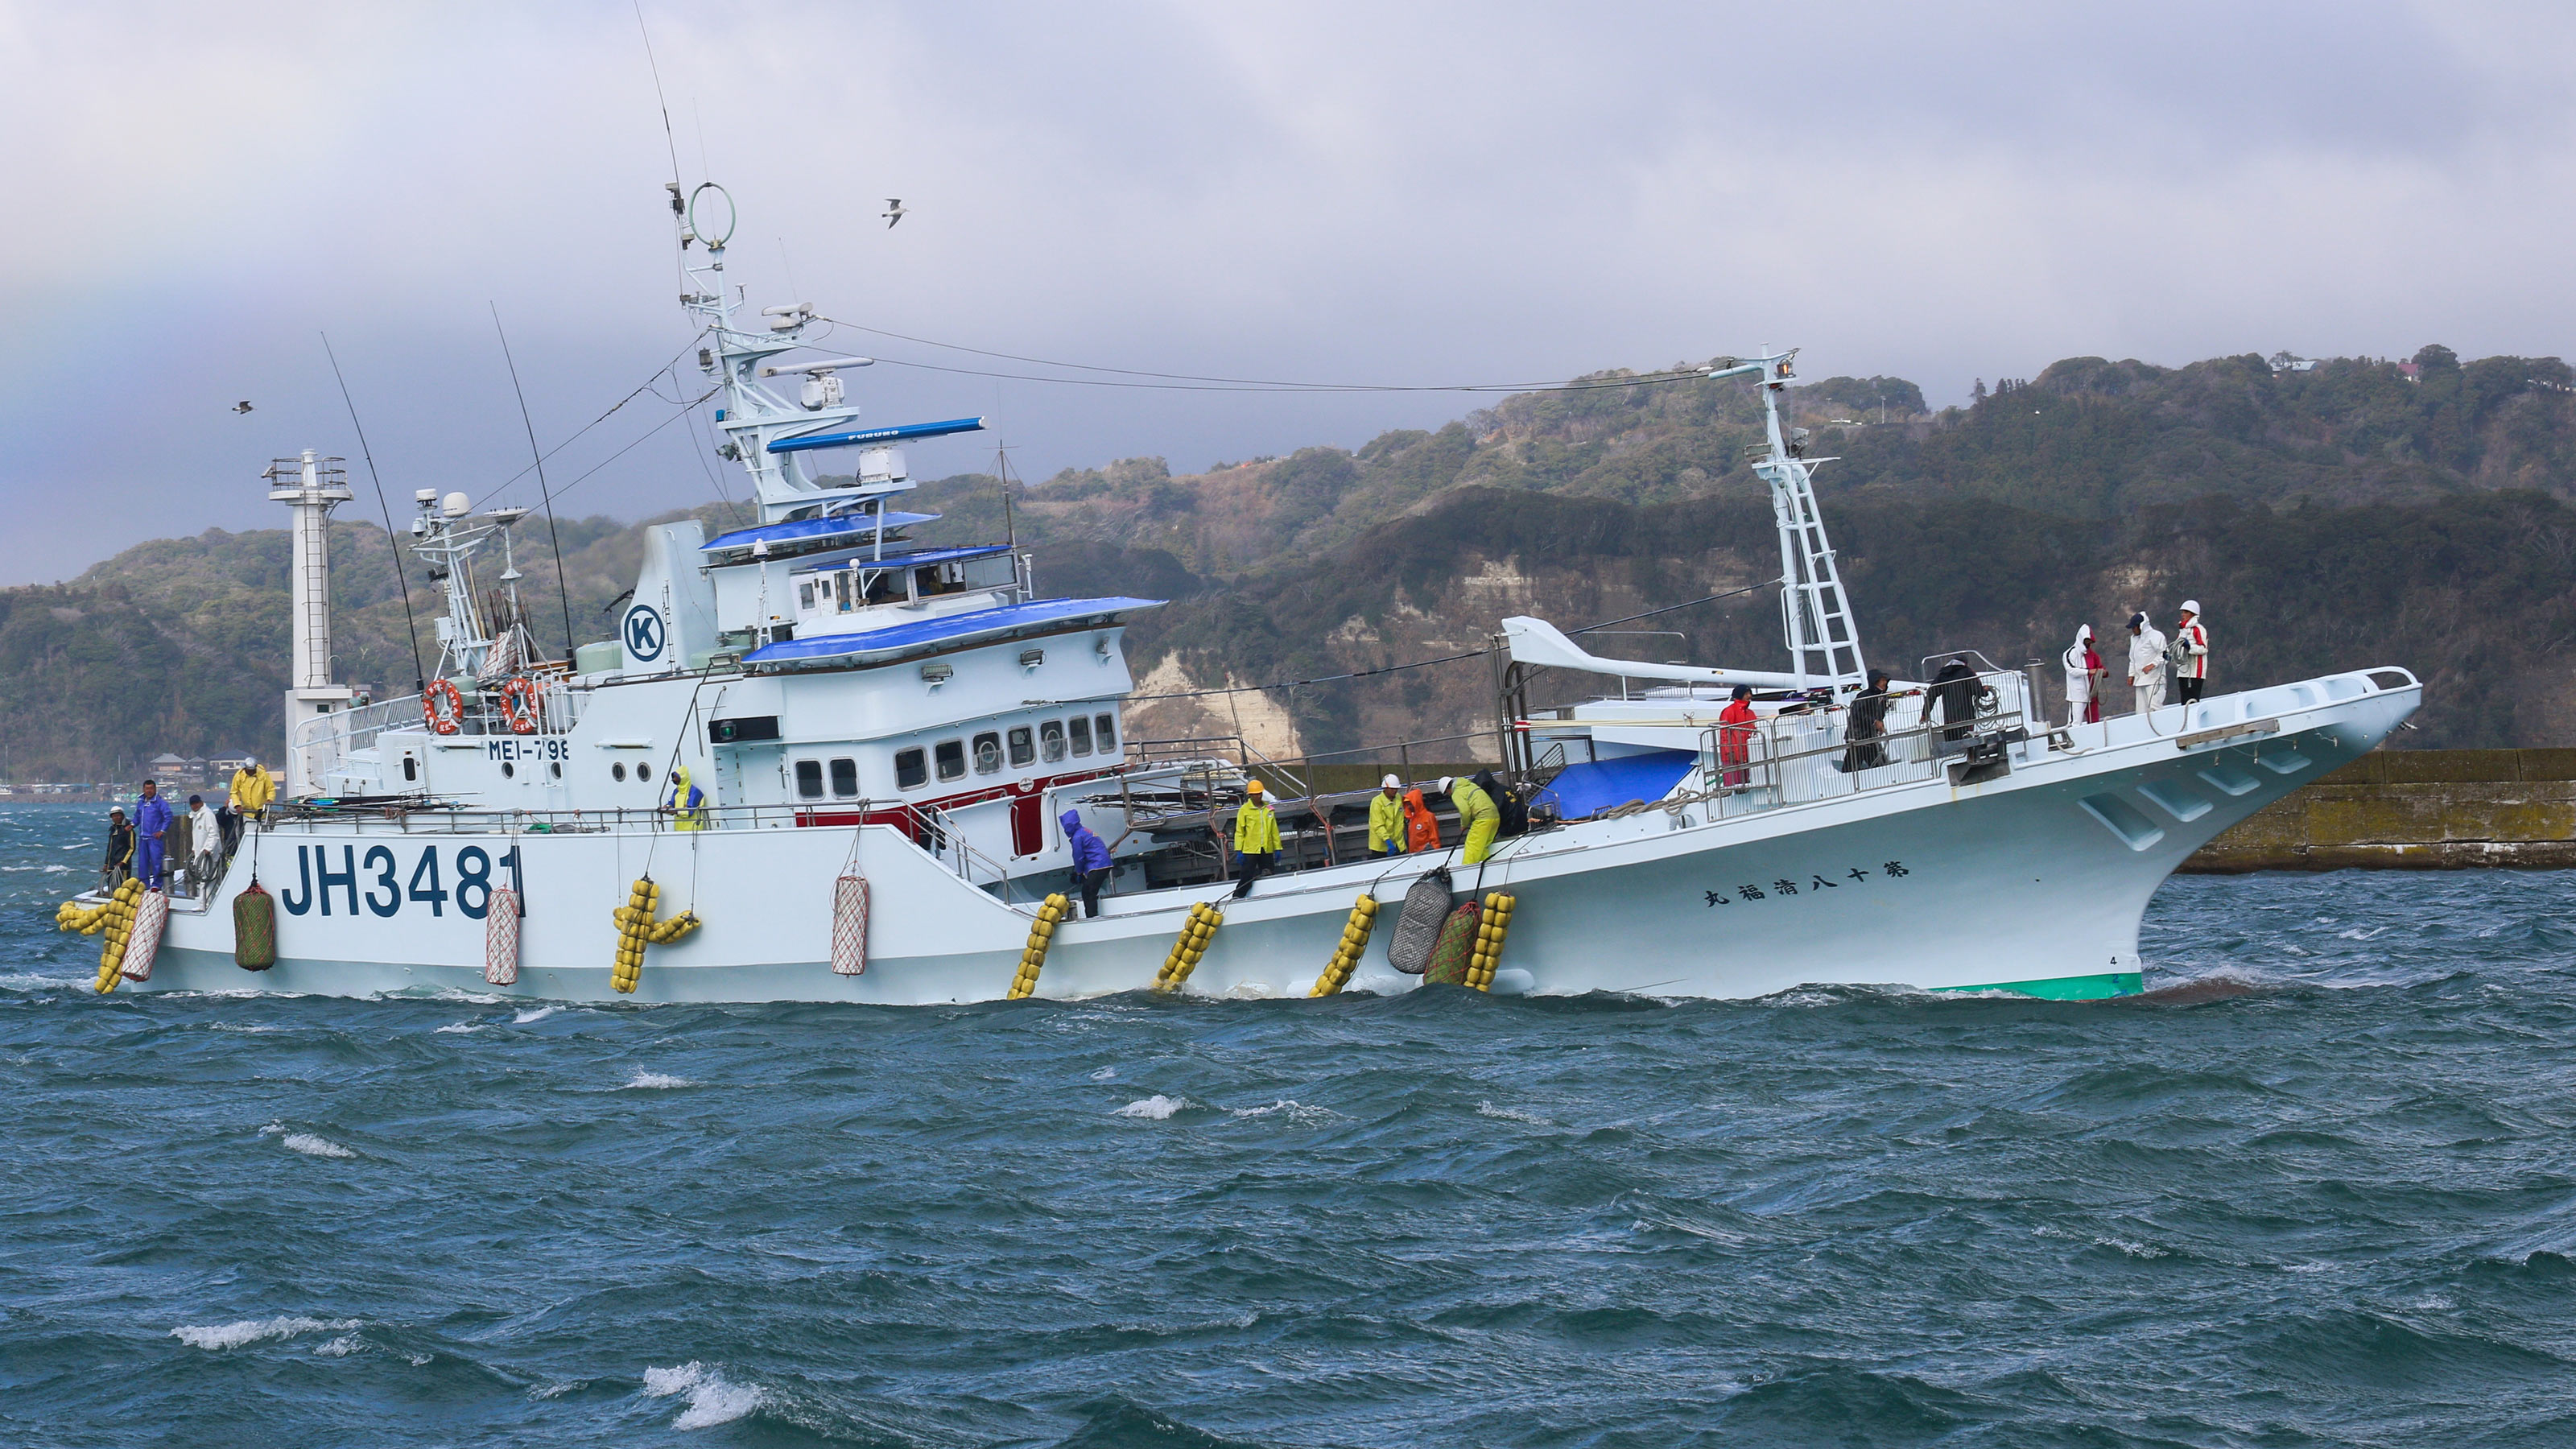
{"x": 2288, "y": 361}
{"x": 169, "y": 769}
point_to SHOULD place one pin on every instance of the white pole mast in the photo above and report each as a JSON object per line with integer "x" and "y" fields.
{"x": 1815, "y": 613}
{"x": 311, "y": 486}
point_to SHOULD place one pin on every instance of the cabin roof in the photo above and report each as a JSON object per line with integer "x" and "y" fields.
{"x": 804, "y": 530}
{"x": 899, "y": 639}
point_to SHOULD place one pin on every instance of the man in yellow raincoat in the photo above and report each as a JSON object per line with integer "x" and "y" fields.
{"x": 1478, "y": 815}
{"x": 1386, "y": 818}
{"x": 688, "y": 805}
{"x": 1256, "y": 839}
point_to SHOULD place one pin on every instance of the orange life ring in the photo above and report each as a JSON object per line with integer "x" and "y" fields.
{"x": 519, "y": 704}
{"x": 445, "y": 721}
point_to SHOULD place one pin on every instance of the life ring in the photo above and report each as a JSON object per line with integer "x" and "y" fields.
{"x": 448, "y": 720}
{"x": 519, "y": 704}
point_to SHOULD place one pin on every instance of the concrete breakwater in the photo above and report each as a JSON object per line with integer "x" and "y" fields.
{"x": 2414, "y": 810}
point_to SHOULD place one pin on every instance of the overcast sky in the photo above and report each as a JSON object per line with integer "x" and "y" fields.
{"x": 1348, "y": 193}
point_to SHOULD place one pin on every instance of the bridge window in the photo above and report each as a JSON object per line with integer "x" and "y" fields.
{"x": 988, "y": 753}
{"x": 1081, "y": 730}
{"x": 911, "y": 770}
{"x": 805, "y": 597}
{"x": 809, "y": 779}
{"x": 845, "y": 778}
{"x": 1051, "y": 740}
{"x": 951, "y": 755}
{"x": 1024, "y": 745}
{"x": 1104, "y": 727}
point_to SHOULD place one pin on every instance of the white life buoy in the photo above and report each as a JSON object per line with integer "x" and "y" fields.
{"x": 519, "y": 704}
{"x": 501, "y": 938}
{"x": 850, "y": 926}
{"x": 150, "y": 915}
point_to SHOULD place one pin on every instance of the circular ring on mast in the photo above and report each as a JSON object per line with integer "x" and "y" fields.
{"x": 713, "y": 243}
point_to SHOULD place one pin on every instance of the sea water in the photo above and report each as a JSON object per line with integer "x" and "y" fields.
{"x": 2317, "y": 1189}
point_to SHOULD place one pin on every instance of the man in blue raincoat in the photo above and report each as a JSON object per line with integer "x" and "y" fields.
{"x": 1091, "y": 864}
{"x": 151, "y": 819}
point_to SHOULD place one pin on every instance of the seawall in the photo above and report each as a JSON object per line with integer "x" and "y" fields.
{"x": 2414, "y": 810}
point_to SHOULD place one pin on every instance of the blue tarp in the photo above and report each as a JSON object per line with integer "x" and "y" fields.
{"x": 921, "y": 634}
{"x": 1597, "y": 785}
{"x": 861, "y": 524}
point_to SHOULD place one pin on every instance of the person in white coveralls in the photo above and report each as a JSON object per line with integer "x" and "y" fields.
{"x": 2146, "y": 663}
{"x": 2085, "y": 677}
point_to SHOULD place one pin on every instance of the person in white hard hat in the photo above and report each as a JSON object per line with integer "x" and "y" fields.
{"x": 2191, "y": 653}
{"x": 2146, "y": 663}
{"x": 1386, "y": 818}
{"x": 2085, "y": 677}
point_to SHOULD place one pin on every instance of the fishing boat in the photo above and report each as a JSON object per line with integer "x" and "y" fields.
{"x": 879, "y": 735}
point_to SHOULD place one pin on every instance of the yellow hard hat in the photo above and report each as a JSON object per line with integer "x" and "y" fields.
{"x": 1253, "y": 789}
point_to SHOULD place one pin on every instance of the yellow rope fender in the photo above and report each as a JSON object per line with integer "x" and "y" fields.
{"x": 1346, "y": 956}
{"x": 636, "y": 929}
{"x": 1033, "y": 955}
{"x": 1192, "y": 944}
{"x": 1490, "y": 930}
{"x": 115, "y": 917}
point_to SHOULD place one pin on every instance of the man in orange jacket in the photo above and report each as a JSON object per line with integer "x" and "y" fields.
{"x": 1421, "y": 827}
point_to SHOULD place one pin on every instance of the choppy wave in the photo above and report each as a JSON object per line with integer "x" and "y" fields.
{"x": 2298, "y": 1196}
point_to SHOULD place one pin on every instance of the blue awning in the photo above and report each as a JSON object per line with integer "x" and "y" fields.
{"x": 901, "y": 558}
{"x": 901, "y": 639}
{"x": 877, "y": 435}
{"x": 804, "y": 529}
{"x": 1598, "y": 785}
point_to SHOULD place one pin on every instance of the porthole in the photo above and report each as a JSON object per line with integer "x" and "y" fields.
{"x": 643, "y": 771}
{"x": 508, "y": 770}
{"x": 555, "y": 769}
{"x": 988, "y": 753}
{"x": 1051, "y": 740}
{"x": 617, "y": 771}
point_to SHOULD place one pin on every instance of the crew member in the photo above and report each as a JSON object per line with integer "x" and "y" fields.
{"x": 1478, "y": 816}
{"x": 1386, "y": 818}
{"x": 1735, "y": 736}
{"x": 688, "y": 805}
{"x": 151, "y": 821}
{"x": 205, "y": 843}
{"x": 1421, "y": 827}
{"x": 1091, "y": 863}
{"x": 1867, "y": 729}
{"x": 2146, "y": 663}
{"x": 2085, "y": 677}
{"x": 120, "y": 850}
{"x": 1256, "y": 839}
{"x": 2191, "y": 653}
{"x": 251, "y": 791}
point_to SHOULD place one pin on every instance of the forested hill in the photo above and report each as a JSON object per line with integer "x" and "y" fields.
{"x": 2354, "y": 512}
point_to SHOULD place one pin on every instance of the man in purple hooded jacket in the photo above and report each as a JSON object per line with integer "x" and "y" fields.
{"x": 1090, "y": 860}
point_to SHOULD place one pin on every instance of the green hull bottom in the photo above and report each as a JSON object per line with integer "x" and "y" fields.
{"x": 2068, "y": 988}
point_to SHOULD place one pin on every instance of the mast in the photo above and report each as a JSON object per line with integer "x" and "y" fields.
{"x": 1815, "y": 613}
{"x": 311, "y": 486}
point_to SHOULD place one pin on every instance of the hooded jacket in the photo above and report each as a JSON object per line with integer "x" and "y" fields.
{"x": 2191, "y": 645}
{"x": 252, "y": 789}
{"x": 1256, "y": 829}
{"x": 2147, "y": 657}
{"x": 1421, "y": 827}
{"x": 688, "y": 802}
{"x": 2081, "y": 660}
{"x": 1386, "y": 822}
{"x": 1090, "y": 852}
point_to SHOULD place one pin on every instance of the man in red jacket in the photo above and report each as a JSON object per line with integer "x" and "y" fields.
{"x": 1735, "y": 736}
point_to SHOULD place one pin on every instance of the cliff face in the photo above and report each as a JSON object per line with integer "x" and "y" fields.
{"x": 2331, "y": 518}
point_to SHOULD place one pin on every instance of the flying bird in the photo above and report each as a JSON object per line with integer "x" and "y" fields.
{"x": 894, "y": 212}
{"x": 242, "y": 407}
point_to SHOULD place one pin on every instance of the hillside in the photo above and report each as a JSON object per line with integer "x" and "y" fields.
{"x": 2342, "y": 515}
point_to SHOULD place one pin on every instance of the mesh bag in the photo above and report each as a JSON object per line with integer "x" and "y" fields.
{"x": 1456, "y": 947}
{"x": 1417, "y": 926}
{"x": 254, "y": 929}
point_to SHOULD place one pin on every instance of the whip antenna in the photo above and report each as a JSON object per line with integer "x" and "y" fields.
{"x": 563, "y": 595}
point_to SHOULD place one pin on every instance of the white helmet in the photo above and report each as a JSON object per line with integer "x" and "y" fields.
{"x": 2191, "y": 606}
{"x": 1445, "y": 780}
{"x": 1390, "y": 783}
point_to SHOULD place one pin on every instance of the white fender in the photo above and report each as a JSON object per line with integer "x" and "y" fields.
{"x": 850, "y": 925}
{"x": 501, "y": 938}
{"x": 150, "y": 915}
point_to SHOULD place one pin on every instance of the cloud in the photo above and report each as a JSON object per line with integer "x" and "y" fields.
{"x": 1340, "y": 192}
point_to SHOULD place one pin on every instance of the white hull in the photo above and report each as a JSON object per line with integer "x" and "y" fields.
{"x": 2013, "y": 882}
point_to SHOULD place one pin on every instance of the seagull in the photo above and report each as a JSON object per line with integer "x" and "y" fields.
{"x": 242, "y": 407}
{"x": 894, "y": 212}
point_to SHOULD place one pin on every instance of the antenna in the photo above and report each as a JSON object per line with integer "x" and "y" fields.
{"x": 563, "y": 595}
{"x": 402, "y": 580}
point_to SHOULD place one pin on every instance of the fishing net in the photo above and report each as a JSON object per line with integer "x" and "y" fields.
{"x": 1457, "y": 946}
{"x": 1417, "y": 926}
{"x": 254, "y": 929}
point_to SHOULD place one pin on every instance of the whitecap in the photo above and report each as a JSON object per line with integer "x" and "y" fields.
{"x": 307, "y": 1143}
{"x": 1154, "y": 1108}
{"x": 540, "y": 1014}
{"x": 2134, "y": 1250}
{"x": 713, "y": 1400}
{"x": 341, "y": 1347}
{"x": 658, "y": 1081}
{"x": 1488, "y": 1109}
{"x": 1105, "y": 1074}
{"x": 222, "y": 1336}
{"x": 557, "y": 1389}
{"x": 1297, "y": 1112}
{"x": 459, "y": 1028}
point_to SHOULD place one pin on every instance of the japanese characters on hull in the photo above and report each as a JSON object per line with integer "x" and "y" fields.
{"x": 1816, "y": 884}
